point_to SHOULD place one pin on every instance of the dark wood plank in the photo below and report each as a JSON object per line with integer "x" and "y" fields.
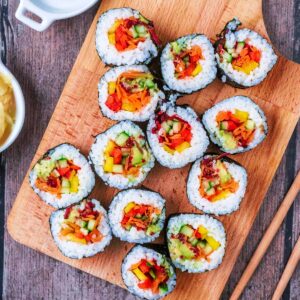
{"x": 42, "y": 62}
{"x": 267, "y": 275}
{"x": 282, "y": 19}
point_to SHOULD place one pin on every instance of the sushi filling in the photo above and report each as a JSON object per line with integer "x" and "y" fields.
{"x": 142, "y": 217}
{"x": 80, "y": 224}
{"x": 174, "y": 133}
{"x": 190, "y": 243}
{"x": 57, "y": 177}
{"x": 216, "y": 182}
{"x": 186, "y": 59}
{"x": 126, "y": 155}
{"x": 126, "y": 34}
{"x": 131, "y": 92}
{"x": 241, "y": 55}
{"x": 152, "y": 276}
{"x": 236, "y": 128}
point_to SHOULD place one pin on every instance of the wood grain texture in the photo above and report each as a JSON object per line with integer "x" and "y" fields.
{"x": 265, "y": 242}
{"x": 64, "y": 282}
{"x": 288, "y": 271}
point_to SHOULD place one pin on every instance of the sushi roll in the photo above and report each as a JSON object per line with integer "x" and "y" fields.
{"x": 216, "y": 184}
{"x": 121, "y": 156}
{"x": 137, "y": 215}
{"x": 188, "y": 63}
{"x": 125, "y": 37}
{"x": 129, "y": 93}
{"x": 147, "y": 273}
{"x": 62, "y": 176}
{"x": 81, "y": 230}
{"x": 176, "y": 136}
{"x": 236, "y": 124}
{"x": 244, "y": 57}
{"x": 196, "y": 242}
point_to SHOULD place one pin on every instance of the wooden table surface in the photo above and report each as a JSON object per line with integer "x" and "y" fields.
{"x": 42, "y": 62}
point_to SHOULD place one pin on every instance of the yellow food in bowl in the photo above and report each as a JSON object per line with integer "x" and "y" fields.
{"x": 7, "y": 108}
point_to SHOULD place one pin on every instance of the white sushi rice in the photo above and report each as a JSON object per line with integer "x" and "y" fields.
{"x": 267, "y": 61}
{"x": 199, "y": 142}
{"x": 131, "y": 281}
{"x": 190, "y": 84}
{"x": 85, "y": 175}
{"x": 77, "y": 250}
{"x": 140, "y": 116}
{"x": 97, "y": 158}
{"x": 144, "y": 52}
{"x": 139, "y": 196}
{"x": 230, "y": 104}
{"x": 215, "y": 229}
{"x": 223, "y": 206}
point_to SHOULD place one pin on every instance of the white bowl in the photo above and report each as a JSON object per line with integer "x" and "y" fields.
{"x": 20, "y": 108}
{"x": 50, "y": 10}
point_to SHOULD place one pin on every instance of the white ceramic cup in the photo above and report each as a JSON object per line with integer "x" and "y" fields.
{"x": 20, "y": 108}
{"x": 50, "y": 10}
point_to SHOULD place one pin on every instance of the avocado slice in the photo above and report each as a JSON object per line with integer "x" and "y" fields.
{"x": 193, "y": 241}
{"x": 229, "y": 141}
{"x": 179, "y": 250}
{"x": 118, "y": 169}
{"x": 224, "y": 175}
{"x": 137, "y": 156}
{"x": 154, "y": 228}
{"x": 173, "y": 245}
{"x": 185, "y": 251}
{"x": 44, "y": 168}
{"x": 149, "y": 83}
{"x": 121, "y": 139}
{"x": 207, "y": 249}
{"x": 91, "y": 225}
{"x": 63, "y": 163}
{"x": 177, "y": 127}
{"x": 166, "y": 127}
{"x": 250, "y": 125}
{"x": 187, "y": 230}
{"x": 176, "y": 47}
{"x": 134, "y": 32}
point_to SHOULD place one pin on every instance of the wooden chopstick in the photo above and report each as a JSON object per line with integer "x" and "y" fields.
{"x": 267, "y": 238}
{"x": 288, "y": 271}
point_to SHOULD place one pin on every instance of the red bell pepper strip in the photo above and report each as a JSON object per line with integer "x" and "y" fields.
{"x": 117, "y": 155}
{"x": 146, "y": 284}
{"x": 231, "y": 125}
{"x": 67, "y": 212}
{"x": 144, "y": 267}
{"x": 63, "y": 171}
{"x": 113, "y": 103}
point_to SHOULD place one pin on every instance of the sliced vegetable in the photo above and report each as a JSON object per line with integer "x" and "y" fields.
{"x": 139, "y": 274}
{"x": 187, "y": 230}
{"x": 186, "y": 60}
{"x": 126, "y": 34}
{"x": 142, "y": 217}
{"x": 175, "y": 135}
{"x": 121, "y": 139}
{"x": 216, "y": 183}
{"x": 80, "y": 224}
{"x": 151, "y": 275}
{"x": 236, "y": 129}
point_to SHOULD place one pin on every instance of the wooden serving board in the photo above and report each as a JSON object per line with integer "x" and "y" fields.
{"x": 77, "y": 119}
